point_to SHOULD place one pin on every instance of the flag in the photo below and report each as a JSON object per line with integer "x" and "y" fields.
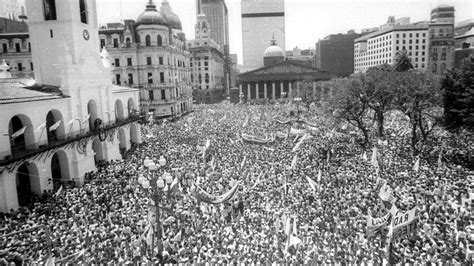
{"x": 293, "y": 163}
{"x": 416, "y": 167}
{"x": 373, "y": 159}
{"x": 292, "y": 239}
{"x": 208, "y": 144}
{"x": 55, "y": 126}
{"x": 243, "y": 163}
{"x": 50, "y": 261}
{"x": 364, "y": 156}
{"x": 59, "y": 193}
{"x": 86, "y": 119}
{"x": 71, "y": 121}
{"x": 319, "y": 175}
{"x": 41, "y": 127}
{"x": 386, "y": 193}
{"x": 211, "y": 163}
{"x": 297, "y": 147}
{"x": 311, "y": 182}
{"x": 149, "y": 236}
{"x": 174, "y": 187}
{"x": 246, "y": 121}
{"x": 20, "y": 132}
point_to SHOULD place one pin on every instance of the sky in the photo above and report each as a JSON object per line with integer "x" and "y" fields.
{"x": 306, "y": 21}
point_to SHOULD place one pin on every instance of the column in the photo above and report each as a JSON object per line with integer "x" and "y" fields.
{"x": 249, "y": 96}
{"x": 281, "y": 89}
{"x": 265, "y": 91}
{"x": 8, "y": 192}
{"x": 240, "y": 89}
{"x": 257, "y": 92}
{"x": 289, "y": 90}
{"x": 314, "y": 88}
{"x": 273, "y": 90}
{"x": 298, "y": 88}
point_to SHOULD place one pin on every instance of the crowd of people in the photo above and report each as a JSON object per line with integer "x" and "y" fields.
{"x": 275, "y": 216}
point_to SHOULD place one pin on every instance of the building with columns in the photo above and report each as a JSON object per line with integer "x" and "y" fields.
{"x": 278, "y": 79}
{"x": 207, "y": 64}
{"x": 57, "y": 127}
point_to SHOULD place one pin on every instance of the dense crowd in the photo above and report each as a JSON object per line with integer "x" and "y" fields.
{"x": 107, "y": 220}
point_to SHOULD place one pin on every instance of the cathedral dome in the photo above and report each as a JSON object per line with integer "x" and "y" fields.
{"x": 151, "y": 16}
{"x": 273, "y": 50}
{"x": 173, "y": 20}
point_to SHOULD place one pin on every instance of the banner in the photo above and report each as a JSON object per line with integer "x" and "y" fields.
{"x": 293, "y": 163}
{"x": 386, "y": 193}
{"x": 297, "y": 132}
{"x": 403, "y": 224}
{"x": 254, "y": 139}
{"x": 312, "y": 183}
{"x": 203, "y": 196}
{"x": 281, "y": 135}
{"x": 55, "y": 126}
{"x": 374, "y": 224}
{"x": 281, "y": 121}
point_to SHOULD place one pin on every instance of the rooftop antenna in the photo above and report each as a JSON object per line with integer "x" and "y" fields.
{"x": 121, "y": 15}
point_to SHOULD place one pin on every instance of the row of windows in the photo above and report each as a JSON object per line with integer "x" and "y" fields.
{"x": 19, "y": 66}
{"x": 17, "y": 47}
{"x": 149, "y": 62}
{"x": 411, "y": 41}
{"x": 206, "y": 78}
{"x": 397, "y": 48}
{"x": 151, "y": 94}
{"x": 118, "y": 78}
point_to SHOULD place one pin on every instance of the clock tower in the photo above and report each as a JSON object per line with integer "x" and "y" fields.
{"x": 65, "y": 43}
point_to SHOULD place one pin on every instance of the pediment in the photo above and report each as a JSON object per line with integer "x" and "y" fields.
{"x": 282, "y": 68}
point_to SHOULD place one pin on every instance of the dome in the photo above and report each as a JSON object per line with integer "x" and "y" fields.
{"x": 151, "y": 16}
{"x": 173, "y": 20}
{"x": 273, "y": 50}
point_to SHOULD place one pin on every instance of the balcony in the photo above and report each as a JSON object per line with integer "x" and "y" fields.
{"x": 36, "y": 149}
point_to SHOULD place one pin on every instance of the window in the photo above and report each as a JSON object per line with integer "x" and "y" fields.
{"x": 148, "y": 40}
{"x": 148, "y": 61}
{"x": 159, "y": 41}
{"x": 20, "y": 67}
{"x": 129, "y": 61}
{"x": 117, "y": 62}
{"x": 5, "y": 47}
{"x": 117, "y": 79}
{"x": 127, "y": 41}
{"x": 162, "y": 77}
{"x": 163, "y": 95}
{"x": 83, "y": 11}
{"x": 29, "y": 47}
{"x": 411, "y": 35}
{"x": 49, "y": 7}
{"x": 150, "y": 78}
{"x": 151, "y": 97}
{"x": 115, "y": 43}
{"x": 17, "y": 47}
{"x": 130, "y": 78}
{"x": 160, "y": 60}
{"x": 404, "y": 35}
{"x": 31, "y": 66}
{"x": 434, "y": 68}
{"x": 102, "y": 43}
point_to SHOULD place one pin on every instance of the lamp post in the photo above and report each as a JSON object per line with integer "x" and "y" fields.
{"x": 241, "y": 97}
{"x": 158, "y": 185}
{"x": 298, "y": 101}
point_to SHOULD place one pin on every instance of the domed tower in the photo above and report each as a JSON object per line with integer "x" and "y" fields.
{"x": 173, "y": 20}
{"x": 152, "y": 27}
{"x": 151, "y": 16}
{"x": 273, "y": 54}
{"x": 203, "y": 29}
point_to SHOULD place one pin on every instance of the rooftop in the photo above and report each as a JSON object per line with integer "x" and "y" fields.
{"x": 25, "y": 90}
{"x": 392, "y": 28}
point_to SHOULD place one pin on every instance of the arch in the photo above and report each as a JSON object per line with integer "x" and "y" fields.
{"x": 159, "y": 40}
{"x": 18, "y": 124}
{"x": 131, "y": 106}
{"x": 97, "y": 148}
{"x": 25, "y": 179}
{"x": 92, "y": 112}
{"x": 118, "y": 110}
{"x": 134, "y": 133}
{"x": 148, "y": 40}
{"x": 59, "y": 168}
{"x": 122, "y": 138}
{"x": 53, "y": 117}
{"x": 127, "y": 42}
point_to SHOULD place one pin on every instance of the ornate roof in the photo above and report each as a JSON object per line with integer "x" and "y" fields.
{"x": 273, "y": 50}
{"x": 173, "y": 20}
{"x": 151, "y": 16}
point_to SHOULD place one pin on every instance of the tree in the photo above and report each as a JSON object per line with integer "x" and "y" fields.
{"x": 306, "y": 93}
{"x": 378, "y": 86}
{"x": 458, "y": 96}
{"x": 350, "y": 104}
{"x": 402, "y": 62}
{"x": 417, "y": 94}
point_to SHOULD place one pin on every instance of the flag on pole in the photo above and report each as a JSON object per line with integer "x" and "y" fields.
{"x": 174, "y": 187}
{"x": 364, "y": 156}
{"x": 243, "y": 163}
{"x": 293, "y": 163}
{"x": 41, "y": 127}
{"x": 59, "y": 193}
{"x": 20, "y": 132}
{"x": 416, "y": 167}
{"x": 149, "y": 236}
{"x": 55, "y": 126}
{"x": 71, "y": 121}
{"x": 311, "y": 182}
{"x": 373, "y": 159}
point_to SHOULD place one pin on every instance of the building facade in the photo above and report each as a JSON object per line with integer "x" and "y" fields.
{"x": 261, "y": 20}
{"x": 335, "y": 53}
{"x": 428, "y": 44}
{"x": 149, "y": 53}
{"x": 207, "y": 65}
{"x": 464, "y": 41}
{"x": 441, "y": 39}
{"x": 218, "y": 19}
{"x": 15, "y": 48}
{"x": 71, "y": 116}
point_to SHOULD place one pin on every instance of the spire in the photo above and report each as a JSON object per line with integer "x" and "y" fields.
{"x": 151, "y": 5}
{"x": 273, "y": 41}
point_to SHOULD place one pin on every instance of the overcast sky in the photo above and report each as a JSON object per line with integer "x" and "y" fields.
{"x": 306, "y": 20}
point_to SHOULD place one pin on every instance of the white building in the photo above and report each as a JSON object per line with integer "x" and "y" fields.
{"x": 55, "y": 128}
{"x": 383, "y": 46}
{"x": 261, "y": 21}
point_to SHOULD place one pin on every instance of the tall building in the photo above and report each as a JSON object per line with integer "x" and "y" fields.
{"x": 149, "y": 53}
{"x": 261, "y": 20}
{"x": 335, "y": 53}
{"x": 441, "y": 39}
{"x": 207, "y": 64}
{"x": 218, "y": 18}
{"x": 58, "y": 126}
{"x": 464, "y": 38}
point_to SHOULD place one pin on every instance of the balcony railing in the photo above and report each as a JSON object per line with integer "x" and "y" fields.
{"x": 37, "y": 148}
